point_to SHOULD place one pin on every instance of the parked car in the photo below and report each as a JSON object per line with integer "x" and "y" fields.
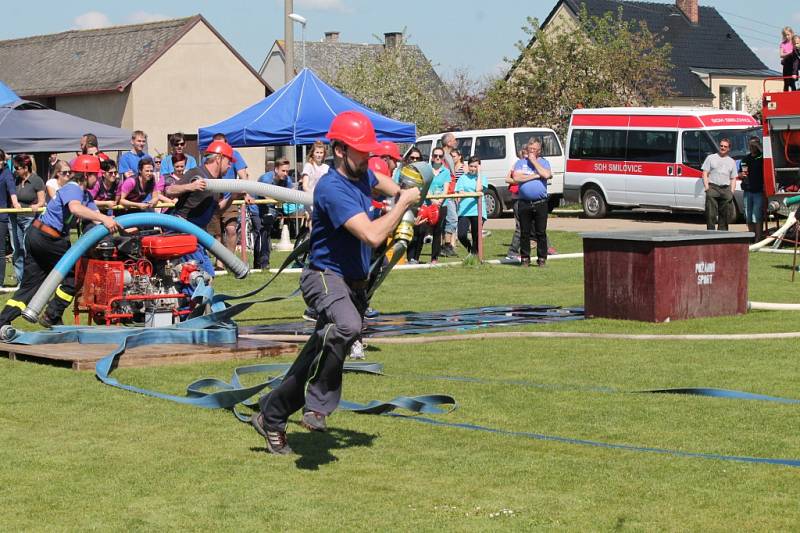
{"x": 497, "y": 149}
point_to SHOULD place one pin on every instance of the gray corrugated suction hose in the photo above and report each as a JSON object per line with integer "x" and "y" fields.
{"x": 253, "y": 188}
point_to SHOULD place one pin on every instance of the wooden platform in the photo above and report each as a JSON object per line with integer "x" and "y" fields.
{"x": 84, "y": 356}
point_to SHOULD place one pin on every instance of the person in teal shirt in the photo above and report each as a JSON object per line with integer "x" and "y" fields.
{"x": 424, "y": 227}
{"x": 472, "y": 181}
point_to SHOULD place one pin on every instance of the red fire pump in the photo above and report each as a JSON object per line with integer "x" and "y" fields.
{"x": 137, "y": 279}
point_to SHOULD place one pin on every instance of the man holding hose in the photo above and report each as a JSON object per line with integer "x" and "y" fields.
{"x": 335, "y": 281}
{"x": 48, "y": 241}
{"x": 194, "y": 202}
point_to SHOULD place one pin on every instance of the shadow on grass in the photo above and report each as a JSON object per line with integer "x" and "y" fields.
{"x": 314, "y": 449}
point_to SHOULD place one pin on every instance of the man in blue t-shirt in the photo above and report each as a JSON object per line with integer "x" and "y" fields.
{"x": 335, "y": 281}
{"x": 128, "y": 164}
{"x": 532, "y": 174}
{"x": 178, "y": 143}
{"x": 266, "y": 214}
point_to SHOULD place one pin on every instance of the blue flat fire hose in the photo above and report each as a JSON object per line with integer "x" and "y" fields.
{"x": 215, "y": 328}
{"x": 212, "y": 393}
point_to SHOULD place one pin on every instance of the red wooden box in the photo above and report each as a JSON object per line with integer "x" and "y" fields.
{"x": 665, "y": 275}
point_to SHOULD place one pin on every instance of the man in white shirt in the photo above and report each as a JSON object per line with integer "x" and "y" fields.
{"x": 719, "y": 180}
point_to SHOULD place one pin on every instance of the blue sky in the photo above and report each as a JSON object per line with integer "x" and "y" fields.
{"x": 469, "y": 34}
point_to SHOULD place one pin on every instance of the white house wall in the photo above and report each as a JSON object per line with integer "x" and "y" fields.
{"x": 197, "y": 82}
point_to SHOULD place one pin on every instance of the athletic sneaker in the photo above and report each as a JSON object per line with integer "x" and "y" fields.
{"x": 310, "y": 314}
{"x": 449, "y": 251}
{"x": 314, "y": 421}
{"x": 357, "y": 351}
{"x": 371, "y": 313}
{"x": 276, "y": 440}
{"x": 551, "y": 251}
{"x": 510, "y": 260}
{"x": 412, "y": 262}
{"x": 47, "y": 322}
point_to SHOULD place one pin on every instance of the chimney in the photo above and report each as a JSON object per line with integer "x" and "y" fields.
{"x": 393, "y": 39}
{"x": 689, "y": 9}
{"x": 331, "y": 36}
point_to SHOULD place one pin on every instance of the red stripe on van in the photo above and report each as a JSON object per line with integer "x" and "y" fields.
{"x": 618, "y": 121}
{"x": 657, "y": 121}
{"x": 632, "y": 168}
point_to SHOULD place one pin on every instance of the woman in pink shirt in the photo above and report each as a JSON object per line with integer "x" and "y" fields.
{"x": 786, "y": 51}
{"x": 142, "y": 192}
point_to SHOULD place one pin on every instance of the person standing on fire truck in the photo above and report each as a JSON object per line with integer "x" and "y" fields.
{"x": 48, "y": 241}
{"x": 335, "y": 281}
{"x": 194, "y": 202}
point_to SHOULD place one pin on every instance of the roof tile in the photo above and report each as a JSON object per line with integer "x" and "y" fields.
{"x": 87, "y": 60}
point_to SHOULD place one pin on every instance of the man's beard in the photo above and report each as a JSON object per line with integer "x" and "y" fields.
{"x": 355, "y": 173}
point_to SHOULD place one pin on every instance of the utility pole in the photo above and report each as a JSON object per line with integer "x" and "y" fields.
{"x": 288, "y": 40}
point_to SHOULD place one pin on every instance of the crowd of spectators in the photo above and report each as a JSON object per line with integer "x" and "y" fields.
{"x": 139, "y": 181}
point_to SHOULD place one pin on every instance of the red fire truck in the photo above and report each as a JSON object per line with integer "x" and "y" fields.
{"x": 781, "y": 127}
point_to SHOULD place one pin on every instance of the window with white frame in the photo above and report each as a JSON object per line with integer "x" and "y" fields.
{"x": 731, "y": 97}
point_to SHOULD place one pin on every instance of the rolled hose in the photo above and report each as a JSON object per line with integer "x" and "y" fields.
{"x": 93, "y": 236}
{"x": 253, "y": 188}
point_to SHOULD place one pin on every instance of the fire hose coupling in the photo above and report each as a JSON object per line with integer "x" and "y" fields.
{"x": 404, "y": 230}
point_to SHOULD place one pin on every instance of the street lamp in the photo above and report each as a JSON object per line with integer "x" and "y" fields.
{"x": 302, "y": 20}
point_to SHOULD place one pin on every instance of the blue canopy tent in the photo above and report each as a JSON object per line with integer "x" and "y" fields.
{"x": 300, "y": 112}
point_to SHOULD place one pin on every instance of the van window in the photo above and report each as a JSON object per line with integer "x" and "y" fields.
{"x": 464, "y": 145}
{"x": 598, "y": 144}
{"x": 550, "y": 146}
{"x": 490, "y": 147}
{"x": 697, "y": 145}
{"x": 425, "y": 149}
{"x": 653, "y": 146}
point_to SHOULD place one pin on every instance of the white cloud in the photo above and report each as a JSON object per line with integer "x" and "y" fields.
{"x": 91, "y": 20}
{"x": 322, "y": 5}
{"x": 142, "y": 17}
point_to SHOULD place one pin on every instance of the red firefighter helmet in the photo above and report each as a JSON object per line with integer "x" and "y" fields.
{"x": 378, "y": 165}
{"x": 85, "y": 163}
{"x": 355, "y": 130}
{"x": 221, "y": 147}
{"x": 388, "y": 148}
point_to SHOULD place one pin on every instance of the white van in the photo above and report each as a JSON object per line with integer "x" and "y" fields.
{"x": 497, "y": 150}
{"x": 648, "y": 156}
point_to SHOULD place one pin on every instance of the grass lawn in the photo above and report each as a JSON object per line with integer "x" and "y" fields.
{"x": 78, "y": 455}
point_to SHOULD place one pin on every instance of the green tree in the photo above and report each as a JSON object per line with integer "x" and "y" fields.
{"x": 397, "y": 83}
{"x": 605, "y": 61}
